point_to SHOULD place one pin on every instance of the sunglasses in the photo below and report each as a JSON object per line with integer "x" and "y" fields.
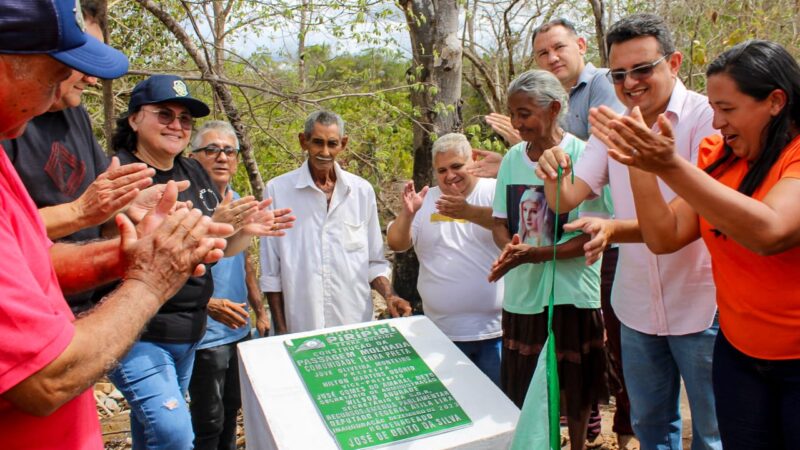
{"x": 213, "y": 151}
{"x": 642, "y": 72}
{"x": 167, "y": 116}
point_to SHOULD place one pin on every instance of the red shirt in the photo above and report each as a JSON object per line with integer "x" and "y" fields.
{"x": 35, "y": 326}
{"x": 758, "y": 296}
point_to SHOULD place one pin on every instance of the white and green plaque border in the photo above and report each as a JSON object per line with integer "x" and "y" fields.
{"x": 372, "y": 388}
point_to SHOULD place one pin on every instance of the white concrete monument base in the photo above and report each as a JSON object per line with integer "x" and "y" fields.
{"x": 280, "y": 415}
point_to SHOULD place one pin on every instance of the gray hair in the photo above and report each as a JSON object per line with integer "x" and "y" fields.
{"x": 323, "y": 117}
{"x": 452, "y": 142}
{"x": 219, "y": 126}
{"x": 543, "y": 88}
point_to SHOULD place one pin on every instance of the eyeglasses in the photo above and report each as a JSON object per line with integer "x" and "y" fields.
{"x": 213, "y": 151}
{"x": 642, "y": 72}
{"x": 167, "y": 116}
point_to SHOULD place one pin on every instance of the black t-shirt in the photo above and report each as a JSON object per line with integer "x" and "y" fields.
{"x": 183, "y": 317}
{"x": 57, "y": 159}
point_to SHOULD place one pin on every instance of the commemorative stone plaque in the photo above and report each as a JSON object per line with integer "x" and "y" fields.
{"x": 372, "y": 388}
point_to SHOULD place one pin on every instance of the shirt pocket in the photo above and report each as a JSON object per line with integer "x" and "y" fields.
{"x": 355, "y": 235}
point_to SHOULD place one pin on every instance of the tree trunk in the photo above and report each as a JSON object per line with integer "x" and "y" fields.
{"x": 222, "y": 91}
{"x": 436, "y": 47}
{"x": 108, "y": 85}
{"x": 301, "y": 44}
{"x": 598, "y": 9}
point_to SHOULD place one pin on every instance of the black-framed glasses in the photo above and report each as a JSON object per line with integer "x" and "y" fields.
{"x": 639, "y": 73}
{"x": 213, "y": 151}
{"x": 167, "y": 116}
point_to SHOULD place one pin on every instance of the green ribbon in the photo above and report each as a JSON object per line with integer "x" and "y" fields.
{"x": 553, "y": 390}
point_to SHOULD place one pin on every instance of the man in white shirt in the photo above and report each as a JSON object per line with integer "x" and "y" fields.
{"x": 319, "y": 275}
{"x": 450, "y": 229}
{"x": 666, "y": 303}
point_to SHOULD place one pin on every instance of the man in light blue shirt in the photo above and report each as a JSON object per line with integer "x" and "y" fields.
{"x": 214, "y": 387}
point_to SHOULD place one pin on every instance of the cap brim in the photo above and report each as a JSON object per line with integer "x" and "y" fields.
{"x": 95, "y": 58}
{"x": 196, "y": 107}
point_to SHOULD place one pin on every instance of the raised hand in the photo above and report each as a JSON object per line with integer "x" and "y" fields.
{"x": 268, "y": 222}
{"x": 173, "y": 247}
{"x": 147, "y": 199}
{"x": 549, "y": 162}
{"x": 168, "y": 205}
{"x": 235, "y": 212}
{"x": 501, "y": 125}
{"x": 635, "y": 144}
{"x": 112, "y": 191}
{"x": 600, "y": 119}
{"x": 453, "y": 206}
{"x": 486, "y": 164}
{"x": 600, "y": 231}
{"x": 412, "y": 201}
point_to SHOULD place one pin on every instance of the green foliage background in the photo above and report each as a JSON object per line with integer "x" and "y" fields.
{"x": 366, "y": 80}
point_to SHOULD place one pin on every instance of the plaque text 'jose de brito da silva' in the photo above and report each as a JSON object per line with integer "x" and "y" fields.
{"x": 372, "y": 388}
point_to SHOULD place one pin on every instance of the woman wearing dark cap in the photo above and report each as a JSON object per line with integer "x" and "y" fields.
{"x": 154, "y": 375}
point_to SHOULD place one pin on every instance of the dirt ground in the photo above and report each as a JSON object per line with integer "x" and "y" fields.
{"x": 116, "y": 424}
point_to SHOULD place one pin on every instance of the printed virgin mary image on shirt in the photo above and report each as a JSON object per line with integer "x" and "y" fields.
{"x": 530, "y": 217}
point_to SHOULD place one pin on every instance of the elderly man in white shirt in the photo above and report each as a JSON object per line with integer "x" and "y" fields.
{"x": 450, "y": 229}
{"x": 321, "y": 273}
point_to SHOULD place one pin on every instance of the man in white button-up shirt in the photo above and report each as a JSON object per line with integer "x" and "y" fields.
{"x": 319, "y": 275}
{"x": 666, "y": 303}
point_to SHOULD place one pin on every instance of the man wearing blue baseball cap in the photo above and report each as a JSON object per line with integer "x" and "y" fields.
{"x": 48, "y": 359}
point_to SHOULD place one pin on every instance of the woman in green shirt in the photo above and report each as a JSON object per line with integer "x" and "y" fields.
{"x": 536, "y": 102}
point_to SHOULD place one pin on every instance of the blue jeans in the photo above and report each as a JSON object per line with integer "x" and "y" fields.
{"x": 485, "y": 354}
{"x": 653, "y": 368}
{"x": 154, "y": 378}
{"x": 757, "y": 399}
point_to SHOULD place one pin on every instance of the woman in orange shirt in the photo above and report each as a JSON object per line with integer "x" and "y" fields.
{"x": 744, "y": 201}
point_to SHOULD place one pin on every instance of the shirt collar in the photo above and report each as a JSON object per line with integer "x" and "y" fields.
{"x": 676, "y": 101}
{"x": 305, "y": 180}
{"x": 675, "y": 105}
{"x": 588, "y": 72}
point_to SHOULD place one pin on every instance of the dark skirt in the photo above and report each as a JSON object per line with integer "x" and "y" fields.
{"x": 580, "y": 349}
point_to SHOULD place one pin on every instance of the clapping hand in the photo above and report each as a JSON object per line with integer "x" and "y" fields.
{"x": 412, "y": 200}
{"x": 501, "y": 125}
{"x": 147, "y": 199}
{"x": 631, "y": 142}
{"x": 486, "y": 164}
{"x": 169, "y": 245}
{"x": 269, "y": 222}
{"x": 453, "y": 206}
{"x": 235, "y": 212}
{"x": 112, "y": 191}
